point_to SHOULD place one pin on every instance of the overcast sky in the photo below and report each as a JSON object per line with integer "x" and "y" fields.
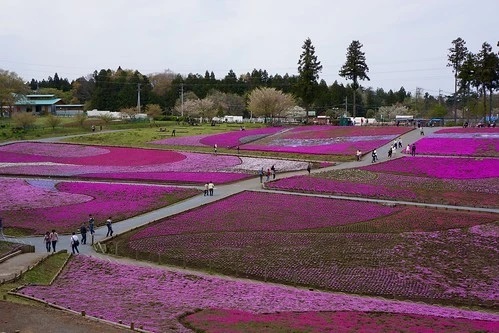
{"x": 405, "y": 42}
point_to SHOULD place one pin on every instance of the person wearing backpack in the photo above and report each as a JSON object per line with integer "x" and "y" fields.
{"x": 74, "y": 243}
{"x": 109, "y": 227}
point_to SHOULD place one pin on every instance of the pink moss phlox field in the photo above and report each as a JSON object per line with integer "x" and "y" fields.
{"x": 287, "y": 212}
{"x": 21, "y": 194}
{"x": 236, "y": 321}
{"x": 461, "y": 142}
{"x": 174, "y": 177}
{"x": 327, "y": 139}
{"x": 101, "y": 199}
{"x": 157, "y": 165}
{"x": 154, "y": 298}
{"x": 440, "y": 167}
{"x": 330, "y": 186}
{"x": 85, "y": 155}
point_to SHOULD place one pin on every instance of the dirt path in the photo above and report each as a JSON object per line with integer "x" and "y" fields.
{"x": 32, "y": 319}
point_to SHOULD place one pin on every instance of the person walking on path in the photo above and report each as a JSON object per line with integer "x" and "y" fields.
{"x": 358, "y": 154}
{"x": 268, "y": 175}
{"x": 400, "y": 143}
{"x": 91, "y": 224}
{"x": 309, "y": 168}
{"x": 390, "y": 150}
{"x": 83, "y": 232}
{"x": 74, "y": 243}
{"x": 46, "y": 239}
{"x": 421, "y": 131}
{"x": 374, "y": 156}
{"x": 215, "y": 148}
{"x": 109, "y": 227}
{"x": 54, "y": 237}
{"x": 408, "y": 149}
{"x": 206, "y": 189}
{"x": 211, "y": 187}
{"x": 273, "y": 171}
{"x": 260, "y": 174}
{"x": 413, "y": 149}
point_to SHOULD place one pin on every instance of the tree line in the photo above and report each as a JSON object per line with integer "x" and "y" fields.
{"x": 169, "y": 93}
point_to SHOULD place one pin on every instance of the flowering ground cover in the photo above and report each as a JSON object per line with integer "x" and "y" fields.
{"x": 339, "y": 245}
{"x": 452, "y": 181}
{"x": 35, "y": 206}
{"x": 223, "y": 140}
{"x": 48, "y": 159}
{"x": 236, "y": 321}
{"x": 155, "y": 298}
{"x": 336, "y": 140}
{"x": 461, "y": 141}
{"x": 440, "y": 167}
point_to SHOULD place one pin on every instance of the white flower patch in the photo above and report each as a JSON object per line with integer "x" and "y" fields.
{"x": 255, "y": 164}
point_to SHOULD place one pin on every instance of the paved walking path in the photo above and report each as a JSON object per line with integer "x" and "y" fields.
{"x": 224, "y": 191}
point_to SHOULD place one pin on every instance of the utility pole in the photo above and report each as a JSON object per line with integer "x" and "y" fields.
{"x": 138, "y": 97}
{"x": 182, "y": 99}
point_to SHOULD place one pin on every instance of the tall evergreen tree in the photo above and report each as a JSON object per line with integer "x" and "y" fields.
{"x": 308, "y": 74}
{"x": 355, "y": 67}
{"x": 486, "y": 74}
{"x": 456, "y": 58}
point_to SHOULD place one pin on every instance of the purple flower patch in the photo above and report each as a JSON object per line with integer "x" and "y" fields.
{"x": 64, "y": 207}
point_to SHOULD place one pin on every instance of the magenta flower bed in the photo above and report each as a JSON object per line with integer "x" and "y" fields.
{"x": 175, "y": 177}
{"x": 288, "y": 212}
{"x": 85, "y": 155}
{"x": 440, "y": 167}
{"x": 328, "y": 140}
{"x": 235, "y": 321}
{"x": 330, "y": 186}
{"x": 157, "y": 165}
{"x": 461, "y": 142}
{"x": 37, "y": 206}
{"x": 155, "y": 298}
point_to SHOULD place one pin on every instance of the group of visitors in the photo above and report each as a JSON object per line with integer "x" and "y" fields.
{"x": 51, "y": 238}
{"x": 271, "y": 172}
{"x": 208, "y": 189}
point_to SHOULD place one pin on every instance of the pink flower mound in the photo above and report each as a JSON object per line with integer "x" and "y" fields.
{"x": 440, "y": 167}
{"x": 461, "y": 141}
{"x": 345, "y": 148}
{"x": 139, "y": 294}
{"x": 321, "y": 185}
{"x": 328, "y": 140}
{"x": 174, "y": 177}
{"x": 266, "y": 212}
{"x": 458, "y": 146}
{"x": 235, "y": 321}
{"x": 472, "y": 130}
{"x": 107, "y": 156}
{"x": 19, "y": 194}
{"x": 118, "y": 200}
{"x": 235, "y": 138}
